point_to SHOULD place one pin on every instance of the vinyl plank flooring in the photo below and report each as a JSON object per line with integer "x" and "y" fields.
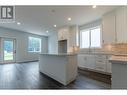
{"x": 27, "y": 76}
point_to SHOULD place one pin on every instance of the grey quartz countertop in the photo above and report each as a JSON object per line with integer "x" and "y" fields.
{"x": 118, "y": 59}
{"x": 59, "y": 54}
{"x": 105, "y": 53}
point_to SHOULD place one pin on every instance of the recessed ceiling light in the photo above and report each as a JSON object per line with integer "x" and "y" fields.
{"x": 69, "y": 19}
{"x": 18, "y": 23}
{"x": 94, "y": 6}
{"x": 47, "y": 31}
{"x": 54, "y": 25}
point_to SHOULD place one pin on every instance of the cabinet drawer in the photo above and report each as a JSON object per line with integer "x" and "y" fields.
{"x": 82, "y": 61}
{"x": 100, "y": 66}
{"x": 100, "y": 60}
{"x": 100, "y": 56}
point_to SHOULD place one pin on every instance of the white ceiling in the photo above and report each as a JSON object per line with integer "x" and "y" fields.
{"x": 39, "y": 19}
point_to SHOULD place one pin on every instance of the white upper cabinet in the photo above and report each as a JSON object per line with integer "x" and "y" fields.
{"x": 73, "y": 36}
{"x": 63, "y": 33}
{"x": 69, "y": 33}
{"x": 121, "y": 25}
{"x": 108, "y": 28}
{"x": 60, "y": 35}
{"x": 115, "y": 26}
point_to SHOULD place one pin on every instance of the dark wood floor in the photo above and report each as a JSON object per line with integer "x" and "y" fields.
{"x": 27, "y": 76}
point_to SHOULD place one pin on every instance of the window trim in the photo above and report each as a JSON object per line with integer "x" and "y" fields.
{"x": 40, "y": 45}
{"x": 89, "y": 29}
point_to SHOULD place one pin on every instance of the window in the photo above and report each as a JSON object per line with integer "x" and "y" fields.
{"x": 90, "y": 38}
{"x": 85, "y": 38}
{"x": 34, "y": 44}
{"x": 95, "y": 37}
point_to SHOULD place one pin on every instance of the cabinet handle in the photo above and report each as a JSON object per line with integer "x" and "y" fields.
{"x": 103, "y": 41}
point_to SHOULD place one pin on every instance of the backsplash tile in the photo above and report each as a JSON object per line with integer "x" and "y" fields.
{"x": 120, "y": 48}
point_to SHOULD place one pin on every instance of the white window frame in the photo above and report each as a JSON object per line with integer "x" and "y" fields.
{"x": 90, "y": 37}
{"x": 40, "y": 44}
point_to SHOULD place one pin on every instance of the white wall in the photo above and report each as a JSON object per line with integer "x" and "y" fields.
{"x": 53, "y": 43}
{"x": 21, "y": 37}
{"x": 72, "y": 40}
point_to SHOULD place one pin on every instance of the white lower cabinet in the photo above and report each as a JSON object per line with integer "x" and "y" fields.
{"x": 91, "y": 61}
{"x": 82, "y": 60}
{"x": 96, "y": 62}
{"x": 100, "y": 63}
{"x": 86, "y": 61}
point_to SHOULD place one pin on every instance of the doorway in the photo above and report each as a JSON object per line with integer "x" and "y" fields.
{"x": 8, "y": 50}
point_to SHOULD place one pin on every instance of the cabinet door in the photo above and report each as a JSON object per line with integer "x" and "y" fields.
{"x": 91, "y": 61}
{"x": 73, "y": 36}
{"x": 86, "y": 61}
{"x": 108, "y": 28}
{"x": 121, "y": 25}
{"x": 60, "y": 35}
{"x": 82, "y": 61}
{"x": 65, "y": 34}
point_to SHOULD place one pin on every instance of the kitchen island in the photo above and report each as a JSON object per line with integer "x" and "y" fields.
{"x": 61, "y": 67}
{"x": 119, "y": 71}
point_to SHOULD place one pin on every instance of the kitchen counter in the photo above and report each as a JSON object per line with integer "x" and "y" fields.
{"x": 104, "y": 53}
{"x": 119, "y": 59}
{"x": 94, "y": 53}
{"x": 61, "y": 67}
{"x": 119, "y": 71}
{"x": 59, "y": 54}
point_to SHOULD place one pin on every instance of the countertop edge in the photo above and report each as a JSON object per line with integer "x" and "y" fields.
{"x": 118, "y": 59}
{"x": 58, "y": 54}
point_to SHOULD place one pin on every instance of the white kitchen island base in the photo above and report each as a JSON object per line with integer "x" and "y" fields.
{"x": 61, "y": 67}
{"x": 119, "y": 72}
